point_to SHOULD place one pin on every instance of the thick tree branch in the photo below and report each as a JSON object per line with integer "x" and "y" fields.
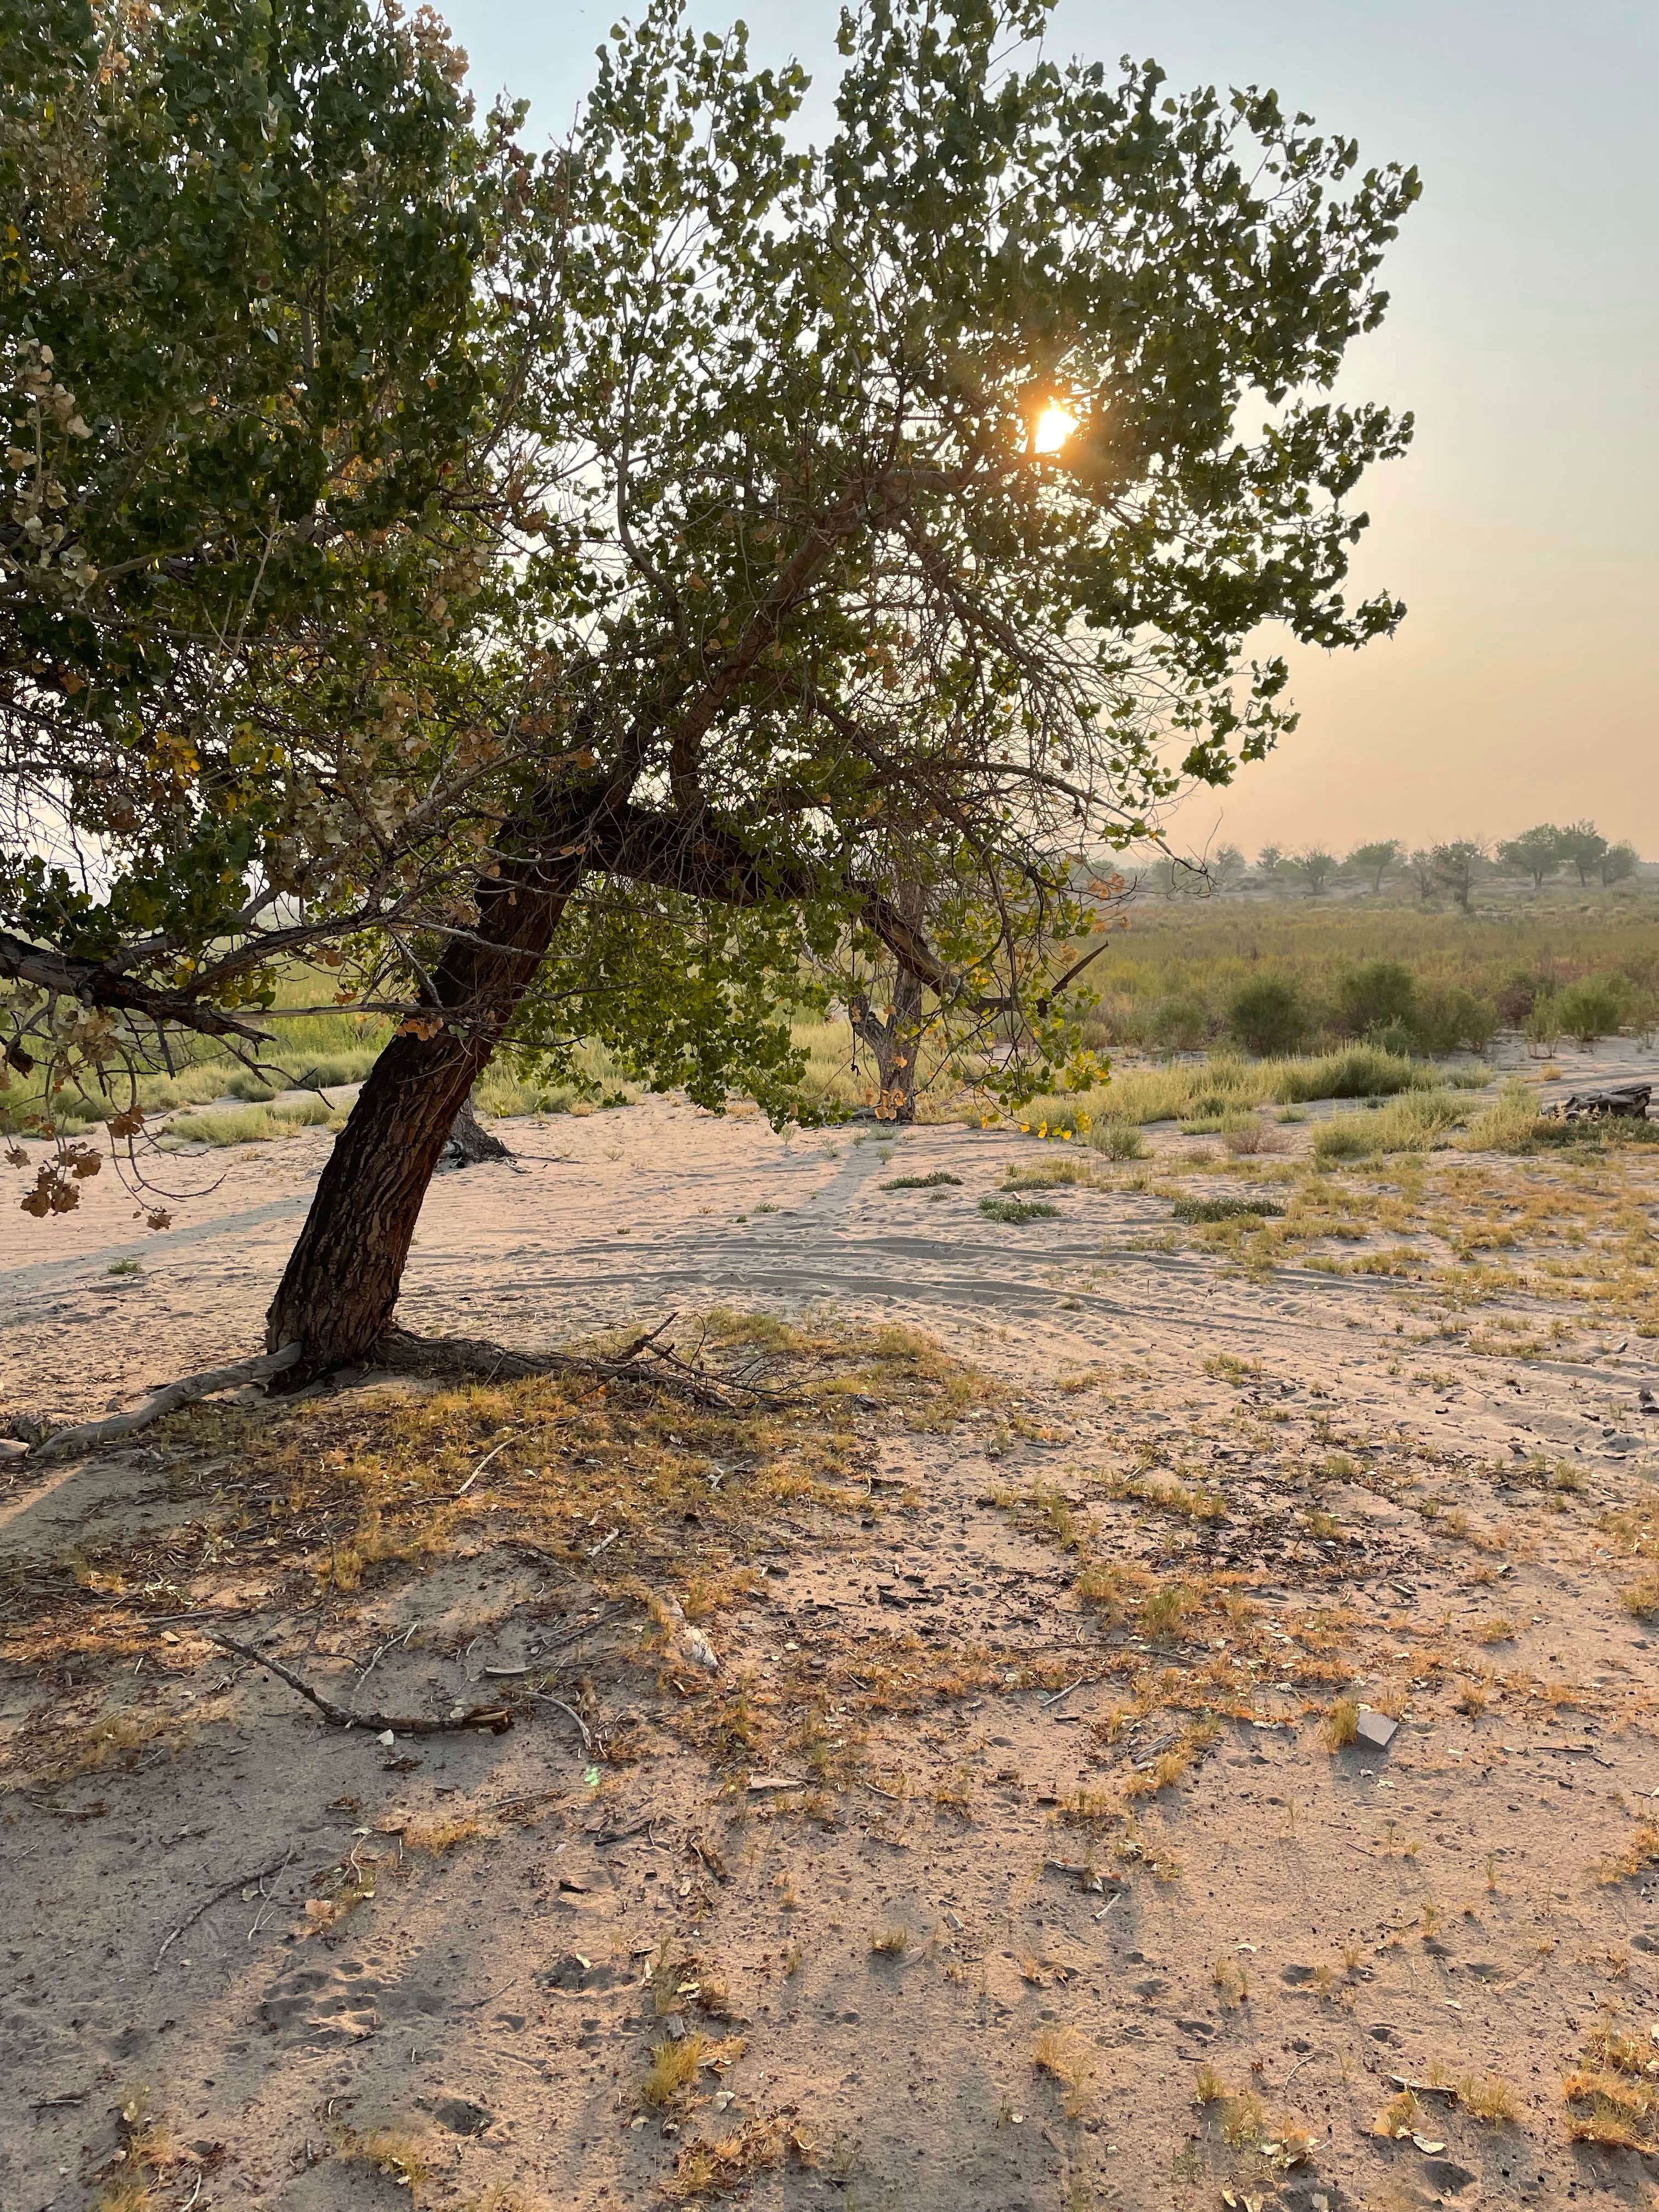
{"x": 100, "y": 983}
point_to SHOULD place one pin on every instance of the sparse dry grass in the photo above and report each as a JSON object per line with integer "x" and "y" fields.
{"x": 1489, "y": 2098}
{"x": 1062, "y": 2052}
{"x": 674, "y": 2066}
{"x": 1613, "y": 2098}
{"x": 1342, "y": 1724}
{"x": 1638, "y": 1854}
{"x": 395, "y": 2151}
{"x": 720, "y": 2168}
{"x": 1210, "y": 2086}
{"x": 319, "y": 1498}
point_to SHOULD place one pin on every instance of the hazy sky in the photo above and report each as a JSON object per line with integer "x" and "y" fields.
{"x": 1524, "y": 328}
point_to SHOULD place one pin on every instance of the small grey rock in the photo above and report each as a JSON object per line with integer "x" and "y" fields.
{"x": 1376, "y": 1729}
{"x": 461, "y": 2116}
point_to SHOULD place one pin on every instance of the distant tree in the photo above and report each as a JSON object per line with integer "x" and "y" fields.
{"x": 1583, "y": 846}
{"x": 1618, "y": 862}
{"x": 1225, "y": 866}
{"x": 1535, "y": 853}
{"x": 1316, "y": 866}
{"x": 1375, "y": 861}
{"x": 1421, "y": 869}
{"x": 1458, "y": 865}
{"x": 1269, "y": 860}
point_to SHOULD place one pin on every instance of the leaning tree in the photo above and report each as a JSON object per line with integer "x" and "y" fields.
{"x": 861, "y": 535}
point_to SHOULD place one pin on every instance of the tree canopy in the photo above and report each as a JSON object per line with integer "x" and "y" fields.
{"x": 566, "y": 589}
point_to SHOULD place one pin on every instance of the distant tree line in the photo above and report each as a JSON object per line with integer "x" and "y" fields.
{"x": 1450, "y": 869}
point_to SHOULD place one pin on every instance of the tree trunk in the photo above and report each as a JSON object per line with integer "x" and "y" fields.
{"x": 338, "y": 1289}
{"x": 898, "y": 1075}
{"x": 896, "y": 1040}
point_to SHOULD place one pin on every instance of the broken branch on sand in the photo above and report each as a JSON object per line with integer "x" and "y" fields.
{"x": 185, "y": 1392}
{"x": 496, "y": 1718}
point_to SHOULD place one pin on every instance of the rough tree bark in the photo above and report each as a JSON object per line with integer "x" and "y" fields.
{"x": 340, "y": 1282}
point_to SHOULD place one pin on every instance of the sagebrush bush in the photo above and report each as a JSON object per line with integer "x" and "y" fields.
{"x": 1593, "y": 1007}
{"x": 1271, "y": 1016}
{"x": 1374, "y": 995}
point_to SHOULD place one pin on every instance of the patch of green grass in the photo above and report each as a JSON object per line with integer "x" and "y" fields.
{"x": 1413, "y": 1123}
{"x": 1015, "y": 1209}
{"x": 1055, "y": 1171}
{"x": 1190, "y": 1207}
{"x": 934, "y": 1181}
{"x": 245, "y": 1124}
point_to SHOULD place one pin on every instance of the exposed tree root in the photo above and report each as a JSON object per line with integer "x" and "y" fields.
{"x": 496, "y": 1718}
{"x": 185, "y": 1392}
{"x": 659, "y": 1367}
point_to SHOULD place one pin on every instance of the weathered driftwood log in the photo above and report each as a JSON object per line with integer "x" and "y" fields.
{"x": 1625, "y": 1101}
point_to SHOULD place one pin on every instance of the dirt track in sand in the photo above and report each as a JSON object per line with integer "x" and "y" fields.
{"x": 1433, "y": 1904}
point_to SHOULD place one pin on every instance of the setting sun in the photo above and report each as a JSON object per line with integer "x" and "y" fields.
{"x": 1052, "y": 429}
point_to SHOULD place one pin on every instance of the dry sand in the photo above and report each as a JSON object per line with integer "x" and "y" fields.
{"x": 1310, "y": 1924}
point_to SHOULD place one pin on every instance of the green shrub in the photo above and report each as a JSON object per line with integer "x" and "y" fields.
{"x": 1345, "y": 1138}
{"x": 244, "y": 1125}
{"x": 329, "y": 1070}
{"x": 1270, "y": 1016}
{"x": 1411, "y": 1122}
{"x": 1180, "y": 1022}
{"x": 1377, "y": 994}
{"x": 1118, "y": 1140}
{"x": 1189, "y": 1208}
{"x": 1053, "y": 1171}
{"x": 1449, "y": 1019}
{"x": 934, "y": 1182}
{"x": 1511, "y": 1124}
{"x": 1593, "y": 1007}
{"x": 1017, "y": 1209}
{"x": 254, "y": 1089}
{"x": 1359, "y": 1071}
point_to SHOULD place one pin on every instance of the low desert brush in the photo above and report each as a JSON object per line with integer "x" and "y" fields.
{"x": 1488, "y": 2098}
{"x": 1342, "y": 1724}
{"x": 1063, "y": 2053}
{"x": 717, "y": 2169}
{"x": 674, "y": 2064}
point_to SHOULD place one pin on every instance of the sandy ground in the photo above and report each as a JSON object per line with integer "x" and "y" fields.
{"x": 1314, "y": 1926}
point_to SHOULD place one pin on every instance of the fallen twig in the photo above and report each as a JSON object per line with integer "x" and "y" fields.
{"x": 542, "y": 1698}
{"x": 262, "y": 1874}
{"x": 1065, "y": 1693}
{"x": 496, "y": 1718}
{"x": 485, "y": 1462}
{"x": 185, "y": 1392}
